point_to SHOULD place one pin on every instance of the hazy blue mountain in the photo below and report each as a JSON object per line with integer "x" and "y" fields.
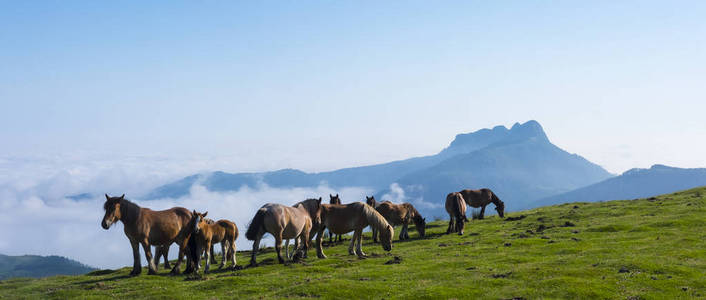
{"x": 39, "y": 266}
{"x": 519, "y": 163}
{"x": 635, "y": 183}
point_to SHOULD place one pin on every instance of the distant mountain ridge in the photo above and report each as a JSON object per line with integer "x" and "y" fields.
{"x": 39, "y": 266}
{"x": 519, "y": 163}
{"x": 634, "y": 183}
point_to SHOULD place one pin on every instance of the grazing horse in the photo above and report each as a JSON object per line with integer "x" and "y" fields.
{"x": 401, "y": 214}
{"x": 334, "y": 200}
{"x": 456, "y": 207}
{"x": 207, "y": 234}
{"x": 164, "y": 251}
{"x": 481, "y": 198}
{"x": 147, "y": 227}
{"x": 355, "y": 216}
{"x": 283, "y": 222}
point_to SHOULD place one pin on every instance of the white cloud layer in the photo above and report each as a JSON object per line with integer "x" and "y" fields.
{"x": 37, "y": 218}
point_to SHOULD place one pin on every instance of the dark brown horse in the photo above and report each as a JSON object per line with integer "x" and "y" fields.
{"x": 207, "y": 234}
{"x": 146, "y": 227}
{"x": 371, "y": 201}
{"x": 331, "y": 237}
{"x": 481, "y": 198}
{"x": 355, "y": 216}
{"x": 456, "y": 207}
{"x": 401, "y": 214}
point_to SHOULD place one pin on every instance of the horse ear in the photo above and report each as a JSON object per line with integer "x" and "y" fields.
{"x": 122, "y": 197}
{"x": 107, "y": 197}
{"x": 319, "y": 200}
{"x": 193, "y": 212}
{"x": 330, "y": 195}
{"x": 336, "y": 195}
{"x": 204, "y": 214}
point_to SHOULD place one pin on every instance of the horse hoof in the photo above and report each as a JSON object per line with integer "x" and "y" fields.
{"x": 135, "y": 273}
{"x": 152, "y": 272}
{"x": 321, "y": 256}
{"x": 174, "y": 272}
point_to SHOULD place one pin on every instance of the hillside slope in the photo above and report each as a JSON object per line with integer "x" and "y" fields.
{"x": 635, "y": 183}
{"x": 635, "y": 249}
{"x": 39, "y": 266}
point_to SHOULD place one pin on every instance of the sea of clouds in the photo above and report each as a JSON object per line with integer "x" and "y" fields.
{"x": 36, "y": 217}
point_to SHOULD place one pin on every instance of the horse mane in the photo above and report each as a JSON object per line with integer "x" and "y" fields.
{"x": 375, "y": 219}
{"x": 129, "y": 211}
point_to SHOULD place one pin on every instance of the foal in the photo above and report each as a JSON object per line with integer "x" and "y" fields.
{"x": 206, "y": 235}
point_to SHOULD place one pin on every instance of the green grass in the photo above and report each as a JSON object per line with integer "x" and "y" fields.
{"x": 573, "y": 250}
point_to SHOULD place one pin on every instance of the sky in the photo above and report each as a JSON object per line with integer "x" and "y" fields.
{"x": 128, "y": 95}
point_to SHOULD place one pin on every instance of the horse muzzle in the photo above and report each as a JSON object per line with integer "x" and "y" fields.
{"x": 105, "y": 225}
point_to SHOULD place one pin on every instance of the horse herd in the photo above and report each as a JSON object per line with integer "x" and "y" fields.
{"x": 196, "y": 235}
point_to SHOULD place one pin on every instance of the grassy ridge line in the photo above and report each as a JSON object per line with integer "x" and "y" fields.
{"x": 639, "y": 249}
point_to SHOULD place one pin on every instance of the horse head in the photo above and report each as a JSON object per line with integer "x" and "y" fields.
{"x": 334, "y": 199}
{"x": 370, "y": 201}
{"x": 386, "y": 237}
{"x": 421, "y": 224}
{"x": 198, "y": 220}
{"x": 500, "y": 208}
{"x": 112, "y": 210}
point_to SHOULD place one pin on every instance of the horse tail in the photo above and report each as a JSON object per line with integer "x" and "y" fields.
{"x": 256, "y": 224}
{"x": 457, "y": 207}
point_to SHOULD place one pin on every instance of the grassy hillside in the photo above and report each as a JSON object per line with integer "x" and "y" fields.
{"x": 650, "y": 248}
{"x": 39, "y": 266}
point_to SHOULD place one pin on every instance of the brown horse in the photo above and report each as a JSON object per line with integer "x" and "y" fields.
{"x": 401, "y": 214}
{"x": 147, "y": 227}
{"x": 331, "y": 237}
{"x": 341, "y": 219}
{"x": 163, "y": 251}
{"x": 283, "y": 222}
{"x": 206, "y": 235}
{"x": 481, "y": 198}
{"x": 456, "y": 207}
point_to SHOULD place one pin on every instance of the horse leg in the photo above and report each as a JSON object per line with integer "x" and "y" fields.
{"x": 182, "y": 247}
{"x": 358, "y": 237}
{"x": 231, "y": 252}
{"x": 278, "y": 247}
{"x": 224, "y": 248}
{"x": 208, "y": 256}
{"x": 136, "y": 266}
{"x": 319, "y": 251}
{"x": 353, "y": 240}
{"x": 213, "y": 255}
{"x": 148, "y": 256}
{"x": 482, "y": 212}
{"x": 286, "y": 249}
{"x": 375, "y": 235}
{"x": 255, "y": 248}
{"x": 451, "y": 225}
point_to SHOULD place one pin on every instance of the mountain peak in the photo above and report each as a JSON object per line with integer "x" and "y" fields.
{"x": 468, "y": 142}
{"x": 529, "y": 130}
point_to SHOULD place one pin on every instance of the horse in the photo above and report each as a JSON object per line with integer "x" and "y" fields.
{"x": 401, "y": 214}
{"x": 206, "y": 235}
{"x": 355, "y": 216}
{"x": 283, "y": 222}
{"x": 456, "y": 207}
{"x": 146, "y": 227}
{"x": 371, "y": 201}
{"x": 481, "y": 198}
{"x": 163, "y": 251}
{"x": 334, "y": 200}
{"x": 313, "y": 206}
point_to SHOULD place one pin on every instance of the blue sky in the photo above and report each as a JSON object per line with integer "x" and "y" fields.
{"x": 330, "y": 84}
